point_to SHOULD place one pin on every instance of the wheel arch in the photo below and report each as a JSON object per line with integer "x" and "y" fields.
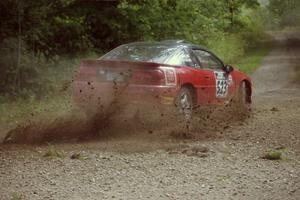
{"x": 193, "y": 89}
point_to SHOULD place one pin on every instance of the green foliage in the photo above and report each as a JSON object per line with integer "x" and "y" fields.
{"x": 45, "y": 36}
{"x": 46, "y": 26}
{"x": 285, "y": 12}
{"x": 253, "y": 60}
{"x": 273, "y": 155}
{"x": 157, "y": 19}
{"x": 14, "y": 77}
{"x": 14, "y": 112}
{"x": 234, "y": 8}
{"x": 16, "y": 196}
{"x": 70, "y": 27}
{"x": 35, "y": 77}
{"x": 228, "y": 47}
{"x": 52, "y": 152}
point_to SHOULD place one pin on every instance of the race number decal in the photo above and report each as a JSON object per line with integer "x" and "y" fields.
{"x": 221, "y": 84}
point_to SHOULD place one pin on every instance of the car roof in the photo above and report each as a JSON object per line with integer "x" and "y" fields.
{"x": 171, "y": 43}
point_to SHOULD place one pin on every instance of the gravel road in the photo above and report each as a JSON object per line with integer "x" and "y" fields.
{"x": 224, "y": 164}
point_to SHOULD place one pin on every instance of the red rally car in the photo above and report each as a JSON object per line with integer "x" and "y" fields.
{"x": 173, "y": 72}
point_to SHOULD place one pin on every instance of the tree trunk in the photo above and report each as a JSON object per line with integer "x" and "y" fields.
{"x": 18, "y": 76}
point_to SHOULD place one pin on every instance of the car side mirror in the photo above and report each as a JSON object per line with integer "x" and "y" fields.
{"x": 228, "y": 68}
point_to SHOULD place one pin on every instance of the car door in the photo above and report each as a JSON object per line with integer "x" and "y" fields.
{"x": 220, "y": 83}
{"x": 190, "y": 73}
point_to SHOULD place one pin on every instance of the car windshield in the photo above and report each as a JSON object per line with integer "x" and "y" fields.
{"x": 158, "y": 53}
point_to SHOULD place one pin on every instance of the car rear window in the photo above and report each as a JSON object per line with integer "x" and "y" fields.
{"x": 158, "y": 53}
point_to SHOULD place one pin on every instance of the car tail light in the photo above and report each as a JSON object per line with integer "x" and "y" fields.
{"x": 85, "y": 73}
{"x": 148, "y": 77}
{"x": 170, "y": 75}
{"x": 159, "y": 76}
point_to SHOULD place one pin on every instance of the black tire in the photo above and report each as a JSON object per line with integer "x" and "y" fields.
{"x": 242, "y": 98}
{"x": 185, "y": 103}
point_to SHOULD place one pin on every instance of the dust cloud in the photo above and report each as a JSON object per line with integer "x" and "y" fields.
{"x": 126, "y": 119}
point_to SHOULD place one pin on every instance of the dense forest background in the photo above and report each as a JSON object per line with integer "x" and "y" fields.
{"x": 42, "y": 41}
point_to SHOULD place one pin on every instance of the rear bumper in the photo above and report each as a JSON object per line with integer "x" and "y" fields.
{"x": 102, "y": 94}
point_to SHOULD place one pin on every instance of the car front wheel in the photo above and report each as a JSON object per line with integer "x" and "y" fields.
{"x": 242, "y": 96}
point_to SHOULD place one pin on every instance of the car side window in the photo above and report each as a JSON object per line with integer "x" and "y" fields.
{"x": 180, "y": 57}
{"x": 207, "y": 60}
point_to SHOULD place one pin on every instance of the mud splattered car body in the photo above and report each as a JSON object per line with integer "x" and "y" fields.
{"x": 168, "y": 72}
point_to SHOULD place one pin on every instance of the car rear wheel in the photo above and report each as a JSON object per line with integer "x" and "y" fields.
{"x": 185, "y": 103}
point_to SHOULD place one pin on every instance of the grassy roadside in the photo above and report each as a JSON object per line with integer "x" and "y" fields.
{"x": 253, "y": 58}
{"x": 12, "y": 113}
{"x": 52, "y": 98}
